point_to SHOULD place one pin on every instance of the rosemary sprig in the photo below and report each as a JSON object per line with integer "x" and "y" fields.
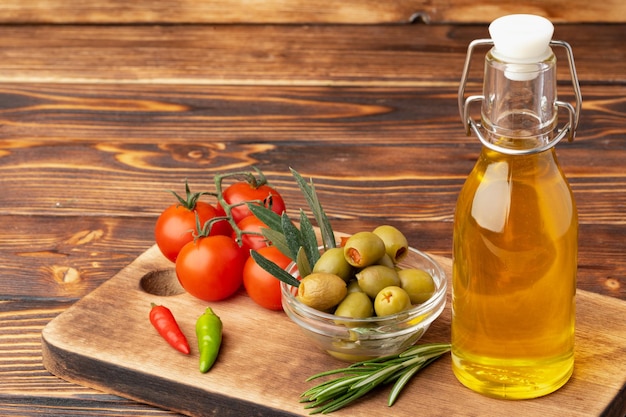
{"x": 362, "y": 377}
{"x": 300, "y": 245}
{"x": 308, "y": 189}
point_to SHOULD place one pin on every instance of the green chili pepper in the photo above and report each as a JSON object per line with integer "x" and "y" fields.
{"x": 209, "y": 334}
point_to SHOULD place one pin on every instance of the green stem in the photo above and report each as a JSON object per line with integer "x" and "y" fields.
{"x": 191, "y": 199}
{"x": 250, "y": 178}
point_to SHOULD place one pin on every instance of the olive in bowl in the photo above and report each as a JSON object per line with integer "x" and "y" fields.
{"x": 357, "y": 339}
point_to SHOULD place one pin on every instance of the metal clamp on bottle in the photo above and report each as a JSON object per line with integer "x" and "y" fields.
{"x": 569, "y": 130}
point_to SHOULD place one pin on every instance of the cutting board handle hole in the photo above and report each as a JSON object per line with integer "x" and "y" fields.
{"x": 162, "y": 282}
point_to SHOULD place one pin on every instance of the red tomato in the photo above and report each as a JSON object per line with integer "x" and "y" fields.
{"x": 261, "y": 286}
{"x": 174, "y": 227}
{"x": 249, "y": 241}
{"x": 242, "y": 191}
{"x": 210, "y": 268}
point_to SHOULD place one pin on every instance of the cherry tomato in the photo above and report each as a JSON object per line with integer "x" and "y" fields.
{"x": 250, "y": 241}
{"x": 242, "y": 191}
{"x": 210, "y": 268}
{"x": 261, "y": 286}
{"x": 175, "y": 226}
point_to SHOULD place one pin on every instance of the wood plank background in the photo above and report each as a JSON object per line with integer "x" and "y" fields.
{"x": 298, "y": 55}
{"x": 106, "y": 105}
{"x": 303, "y": 11}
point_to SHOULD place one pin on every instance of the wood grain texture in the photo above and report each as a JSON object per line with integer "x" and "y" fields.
{"x": 322, "y": 55}
{"x": 379, "y": 155}
{"x": 27, "y": 387}
{"x": 53, "y": 266}
{"x": 301, "y": 11}
{"x": 254, "y": 364}
{"x": 97, "y": 121}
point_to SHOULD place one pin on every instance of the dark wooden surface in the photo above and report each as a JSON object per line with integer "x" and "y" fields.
{"x": 302, "y": 11}
{"x": 97, "y": 121}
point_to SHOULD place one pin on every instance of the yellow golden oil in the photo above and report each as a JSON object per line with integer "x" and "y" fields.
{"x": 514, "y": 276}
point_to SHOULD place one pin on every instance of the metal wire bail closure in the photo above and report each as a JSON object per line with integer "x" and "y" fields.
{"x": 470, "y": 125}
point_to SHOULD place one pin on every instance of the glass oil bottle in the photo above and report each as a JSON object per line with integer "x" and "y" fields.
{"x": 515, "y": 229}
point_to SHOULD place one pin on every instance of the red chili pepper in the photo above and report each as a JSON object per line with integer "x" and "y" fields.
{"x": 163, "y": 320}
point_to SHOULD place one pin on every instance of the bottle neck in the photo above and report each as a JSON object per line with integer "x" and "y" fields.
{"x": 519, "y": 110}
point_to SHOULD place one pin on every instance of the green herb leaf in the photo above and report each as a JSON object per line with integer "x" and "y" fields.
{"x": 278, "y": 239}
{"x": 401, "y": 382}
{"x": 292, "y": 236}
{"x": 274, "y": 269}
{"x": 304, "y": 267}
{"x": 362, "y": 377}
{"x": 328, "y": 237}
{"x": 309, "y": 239}
{"x": 267, "y": 216}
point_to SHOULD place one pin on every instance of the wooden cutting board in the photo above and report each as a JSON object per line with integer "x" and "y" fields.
{"x": 106, "y": 342}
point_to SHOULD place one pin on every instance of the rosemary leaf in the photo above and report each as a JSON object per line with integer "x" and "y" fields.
{"x": 379, "y": 376}
{"x": 401, "y": 382}
{"x": 410, "y": 363}
{"x": 344, "y": 400}
{"x": 339, "y": 386}
{"x": 328, "y": 237}
{"x": 312, "y": 393}
{"x": 274, "y": 269}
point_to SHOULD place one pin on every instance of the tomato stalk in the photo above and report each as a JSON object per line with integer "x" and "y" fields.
{"x": 204, "y": 230}
{"x": 191, "y": 199}
{"x": 254, "y": 179}
{"x": 242, "y": 176}
{"x": 254, "y": 182}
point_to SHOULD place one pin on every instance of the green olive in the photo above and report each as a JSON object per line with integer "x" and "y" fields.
{"x": 321, "y": 291}
{"x": 391, "y": 300}
{"x": 363, "y": 249}
{"x": 374, "y": 278}
{"x": 356, "y": 305}
{"x": 418, "y": 283}
{"x": 386, "y": 260}
{"x": 332, "y": 261}
{"x": 353, "y": 286}
{"x": 396, "y": 244}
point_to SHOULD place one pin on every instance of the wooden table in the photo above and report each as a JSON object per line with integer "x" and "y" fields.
{"x": 103, "y": 108}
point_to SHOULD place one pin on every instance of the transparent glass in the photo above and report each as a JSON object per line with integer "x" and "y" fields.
{"x": 514, "y": 276}
{"x": 351, "y": 339}
{"x": 523, "y": 110}
{"x": 515, "y": 245}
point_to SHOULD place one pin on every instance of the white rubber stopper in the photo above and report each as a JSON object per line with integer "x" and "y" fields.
{"x": 521, "y": 39}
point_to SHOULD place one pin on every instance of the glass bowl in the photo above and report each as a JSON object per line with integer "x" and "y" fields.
{"x": 361, "y": 339}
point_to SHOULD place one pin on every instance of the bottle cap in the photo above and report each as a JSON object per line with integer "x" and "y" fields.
{"x": 521, "y": 39}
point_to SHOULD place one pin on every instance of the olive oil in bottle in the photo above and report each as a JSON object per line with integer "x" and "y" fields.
{"x": 515, "y": 229}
